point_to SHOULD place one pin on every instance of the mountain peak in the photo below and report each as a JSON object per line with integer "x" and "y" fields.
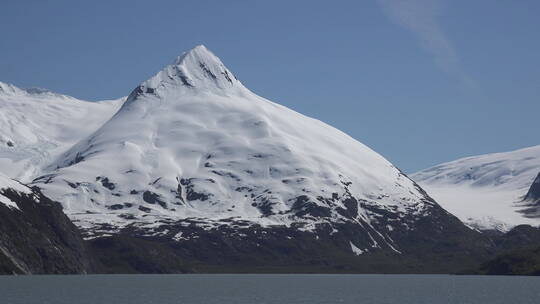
{"x": 197, "y": 69}
{"x": 199, "y": 52}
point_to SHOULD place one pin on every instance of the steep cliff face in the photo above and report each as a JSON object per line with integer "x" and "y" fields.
{"x": 531, "y": 201}
{"x": 533, "y": 195}
{"x": 36, "y": 237}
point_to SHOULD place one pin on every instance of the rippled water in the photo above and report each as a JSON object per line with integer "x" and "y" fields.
{"x": 254, "y": 289}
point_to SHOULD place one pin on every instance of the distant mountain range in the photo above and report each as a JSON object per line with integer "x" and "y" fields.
{"x": 492, "y": 191}
{"x": 37, "y": 125}
{"x": 193, "y": 172}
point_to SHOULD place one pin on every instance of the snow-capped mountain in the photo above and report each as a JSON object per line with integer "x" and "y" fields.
{"x": 192, "y": 145}
{"x": 37, "y": 125}
{"x": 486, "y": 191}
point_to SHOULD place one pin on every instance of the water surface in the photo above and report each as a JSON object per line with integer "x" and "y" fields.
{"x": 262, "y": 289}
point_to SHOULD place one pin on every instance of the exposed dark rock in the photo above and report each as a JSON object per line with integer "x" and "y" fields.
{"x": 302, "y": 206}
{"x": 185, "y": 81}
{"x": 153, "y": 198}
{"x": 243, "y": 247}
{"x": 46, "y": 179}
{"x": 105, "y": 182}
{"x": 144, "y": 209}
{"x": 73, "y": 185}
{"x": 77, "y": 159}
{"x": 228, "y": 174}
{"x": 179, "y": 194}
{"x": 127, "y": 216}
{"x": 38, "y": 238}
{"x": 226, "y": 75}
{"x": 207, "y": 71}
{"x": 533, "y": 195}
{"x": 531, "y": 201}
{"x": 265, "y": 206}
{"x": 191, "y": 194}
{"x": 116, "y": 207}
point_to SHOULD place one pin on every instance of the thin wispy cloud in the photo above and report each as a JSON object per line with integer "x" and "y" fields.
{"x": 420, "y": 18}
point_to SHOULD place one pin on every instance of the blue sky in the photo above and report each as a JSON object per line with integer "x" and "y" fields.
{"x": 419, "y": 81}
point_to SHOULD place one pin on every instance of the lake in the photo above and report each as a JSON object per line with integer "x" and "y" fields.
{"x": 268, "y": 288}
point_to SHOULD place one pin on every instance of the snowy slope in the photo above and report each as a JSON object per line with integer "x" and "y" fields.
{"x": 486, "y": 191}
{"x": 37, "y": 125}
{"x": 193, "y": 143}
